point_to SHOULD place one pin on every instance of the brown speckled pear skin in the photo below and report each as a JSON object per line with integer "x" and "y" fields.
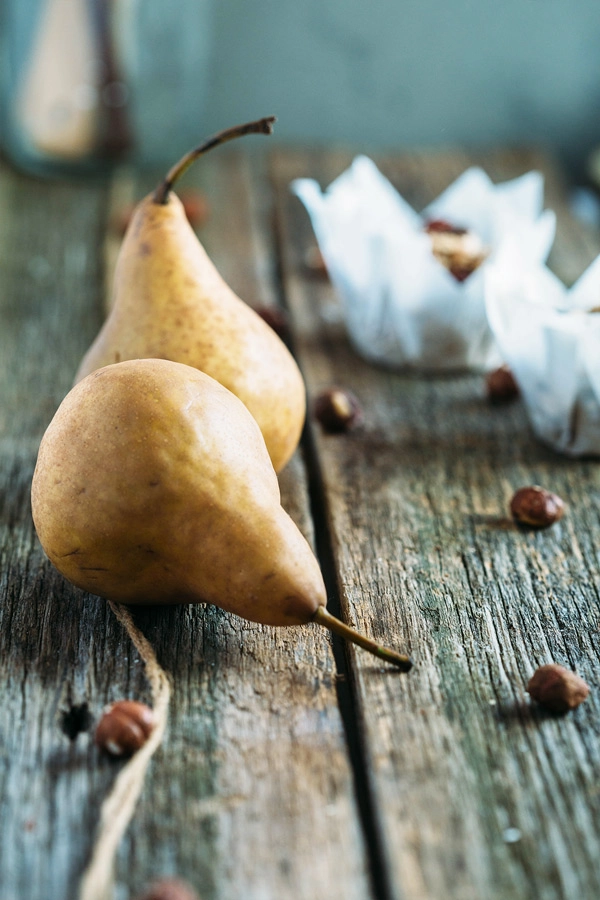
{"x": 153, "y": 485}
{"x": 171, "y": 303}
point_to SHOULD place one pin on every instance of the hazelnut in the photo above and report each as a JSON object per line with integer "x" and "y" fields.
{"x": 274, "y": 317}
{"x": 125, "y": 726}
{"x": 501, "y": 385}
{"x": 315, "y": 263}
{"x": 441, "y": 226}
{"x": 461, "y": 251}
{"x": 196, "y": 207}
{"x": 557, "y": 688}
{"x": 462, "y": 270}
{"x": 536, "y": 506}
{"x": 337, "y": 410}
{"x": 169, "y": 889}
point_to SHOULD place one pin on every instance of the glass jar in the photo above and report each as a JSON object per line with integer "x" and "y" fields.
{"x": 89, "y": 83}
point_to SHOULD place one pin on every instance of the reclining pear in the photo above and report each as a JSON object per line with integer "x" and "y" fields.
{"x": 153, "y": 484}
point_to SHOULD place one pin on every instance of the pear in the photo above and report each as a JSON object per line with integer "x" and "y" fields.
{"x": 153, "y": 484}
{"x": 170, "y": 302}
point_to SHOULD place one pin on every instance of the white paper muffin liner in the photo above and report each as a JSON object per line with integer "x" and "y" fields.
{"x": 401, "y": 306}
{"x": 551, "y": 341}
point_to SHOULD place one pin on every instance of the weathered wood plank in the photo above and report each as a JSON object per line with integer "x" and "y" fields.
{"x": 251, "y": 794}
{"x": 417, "y": 505}
{"x": 50, "y": 649}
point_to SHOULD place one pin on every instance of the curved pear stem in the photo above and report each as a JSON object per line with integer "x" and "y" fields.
{"x": 261, "y": 126}
{"x": 322, "y": 617}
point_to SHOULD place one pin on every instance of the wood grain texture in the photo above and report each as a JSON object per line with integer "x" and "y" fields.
{"x": 51, "y": 654}
{"x": 477, "y": 793}
{"x": 251, "y": 793}
{"x": 277, "y": 778}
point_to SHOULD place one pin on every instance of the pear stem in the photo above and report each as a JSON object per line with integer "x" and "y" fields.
{"x": 261, "y": 126}
{"x": 322, "y": 617}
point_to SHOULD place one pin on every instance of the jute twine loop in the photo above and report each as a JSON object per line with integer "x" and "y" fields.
{"x": 119, "y": 806}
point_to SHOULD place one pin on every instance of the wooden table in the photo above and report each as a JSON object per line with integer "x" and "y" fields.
{"x": 293, "y": 768}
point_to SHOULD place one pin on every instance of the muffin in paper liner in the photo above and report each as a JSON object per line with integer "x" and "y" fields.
{"x": 402, "y": 307}
{"x": 550, "y": 338}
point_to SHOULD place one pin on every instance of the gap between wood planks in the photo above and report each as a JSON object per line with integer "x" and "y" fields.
{"x": 346, "y": 689}
{"x": 345, "y": 682}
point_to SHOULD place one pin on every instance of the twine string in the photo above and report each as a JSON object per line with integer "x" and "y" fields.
{"x": 118, "y": 807}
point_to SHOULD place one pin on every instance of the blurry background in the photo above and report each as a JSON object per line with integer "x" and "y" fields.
{"x": 392, "y": 73}
{"x": 381, "y": 75}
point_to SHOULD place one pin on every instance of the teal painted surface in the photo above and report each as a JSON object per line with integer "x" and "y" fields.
{"x": 396, "y": 73}
{"x": 376, "y": 75}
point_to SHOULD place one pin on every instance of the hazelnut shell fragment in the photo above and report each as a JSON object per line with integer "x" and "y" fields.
{"x": 169, "y": 889}
{"x": 501, "y": 385}
{"x": 125, "y": 726}
{"x": 536, "y": 506}
{"x": 75, "y": 720}
{"x": 337, "y": 410}
{"x": 557, "y": 688}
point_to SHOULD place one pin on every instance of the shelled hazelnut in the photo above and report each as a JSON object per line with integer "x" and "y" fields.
{"x": 557, "y": 688}
{"x": 125, "y": 726}
{"x": 337, "y": 410}
{"x": 461, "y": 251}
{"x": 169, "y": 889}
{"x": 274, "y": 317}
{"x": 501, "y": 385}
{"x": 536, "y": 506}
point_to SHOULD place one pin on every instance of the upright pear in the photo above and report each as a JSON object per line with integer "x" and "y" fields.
{"x": 169, "y": 302}
{"x": 153, "y": 484}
